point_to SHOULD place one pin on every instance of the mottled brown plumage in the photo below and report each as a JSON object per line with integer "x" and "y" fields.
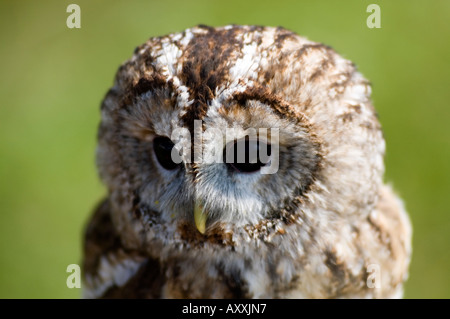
{"x": 313, "y": 229}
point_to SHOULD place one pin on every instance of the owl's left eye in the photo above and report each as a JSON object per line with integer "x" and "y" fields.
{"x": 162, "y": 147}
{"x": 247, "y": 155}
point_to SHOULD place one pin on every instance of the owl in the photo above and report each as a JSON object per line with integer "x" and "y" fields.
{"x": 298, "y": 210}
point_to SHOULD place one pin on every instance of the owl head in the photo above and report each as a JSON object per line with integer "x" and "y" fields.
{"x": 189, "y": 97}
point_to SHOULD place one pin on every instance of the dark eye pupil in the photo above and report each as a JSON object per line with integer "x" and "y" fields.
{"x": 246, "y": 155}
{"x": 162, "y": 147}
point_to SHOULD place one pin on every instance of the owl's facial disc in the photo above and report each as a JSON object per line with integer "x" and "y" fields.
{"x": 210, "y": 195}
{"x": 232, "y": 189}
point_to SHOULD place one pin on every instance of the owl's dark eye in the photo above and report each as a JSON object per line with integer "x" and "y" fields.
{"x": 163, "y": 150}
{"x": 246, "y": 155}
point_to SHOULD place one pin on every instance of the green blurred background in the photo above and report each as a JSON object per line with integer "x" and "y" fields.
{"x": 54, "y": 78}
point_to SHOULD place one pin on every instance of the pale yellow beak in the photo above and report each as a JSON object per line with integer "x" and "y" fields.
{"x": 200, "y": 217}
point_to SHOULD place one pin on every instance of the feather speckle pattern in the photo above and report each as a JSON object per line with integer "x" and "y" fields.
{"x": 310, "y": 230}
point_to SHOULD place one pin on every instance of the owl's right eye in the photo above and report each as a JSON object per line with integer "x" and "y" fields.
{"x": 162, "y": 147}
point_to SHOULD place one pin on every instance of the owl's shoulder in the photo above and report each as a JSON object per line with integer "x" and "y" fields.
{"x": 112, "y": 271}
